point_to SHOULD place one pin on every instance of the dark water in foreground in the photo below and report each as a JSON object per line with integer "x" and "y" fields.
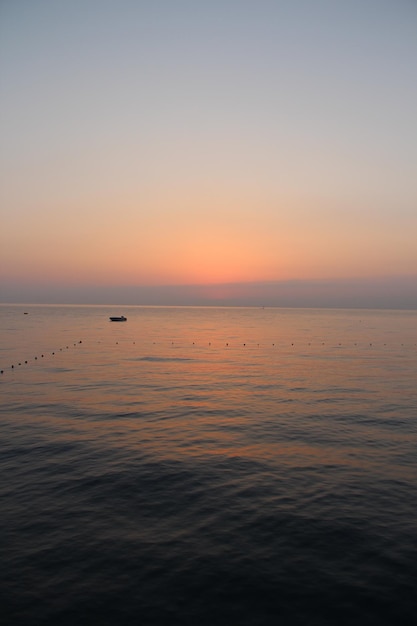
{"x": 208, "y": 466}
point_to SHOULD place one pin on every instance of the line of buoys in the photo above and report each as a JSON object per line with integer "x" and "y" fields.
{"x": 227, "y": 345}
{"x": 323, "y": 343}
{"x": 36, "y": 358}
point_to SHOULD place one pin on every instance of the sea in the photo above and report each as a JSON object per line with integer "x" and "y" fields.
{"x": 207, "y": 466}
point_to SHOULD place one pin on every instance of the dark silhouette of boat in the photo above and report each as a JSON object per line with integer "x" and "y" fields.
{"x": 118, "y": 318}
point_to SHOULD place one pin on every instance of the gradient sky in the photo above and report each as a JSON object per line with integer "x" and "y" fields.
{"x": 180, "y": 142}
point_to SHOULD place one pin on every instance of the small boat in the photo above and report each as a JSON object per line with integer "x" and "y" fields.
{"x": 119, "y": 318}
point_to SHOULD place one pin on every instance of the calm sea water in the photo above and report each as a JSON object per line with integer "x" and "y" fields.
{"x": 208, "y": 466}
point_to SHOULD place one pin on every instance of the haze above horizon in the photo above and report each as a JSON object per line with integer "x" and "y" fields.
{"x": 225, "y": 152}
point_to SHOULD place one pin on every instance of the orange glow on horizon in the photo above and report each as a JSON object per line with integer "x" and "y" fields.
{"x": 191, "y": 237}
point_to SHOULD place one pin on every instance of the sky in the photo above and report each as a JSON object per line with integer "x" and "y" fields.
{"x": 231, "y": 151}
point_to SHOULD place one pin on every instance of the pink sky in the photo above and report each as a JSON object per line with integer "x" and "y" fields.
{"x": 148, "y": 147}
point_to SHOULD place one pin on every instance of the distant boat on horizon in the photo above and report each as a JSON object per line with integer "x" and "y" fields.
{"x": 118, "y": 318}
